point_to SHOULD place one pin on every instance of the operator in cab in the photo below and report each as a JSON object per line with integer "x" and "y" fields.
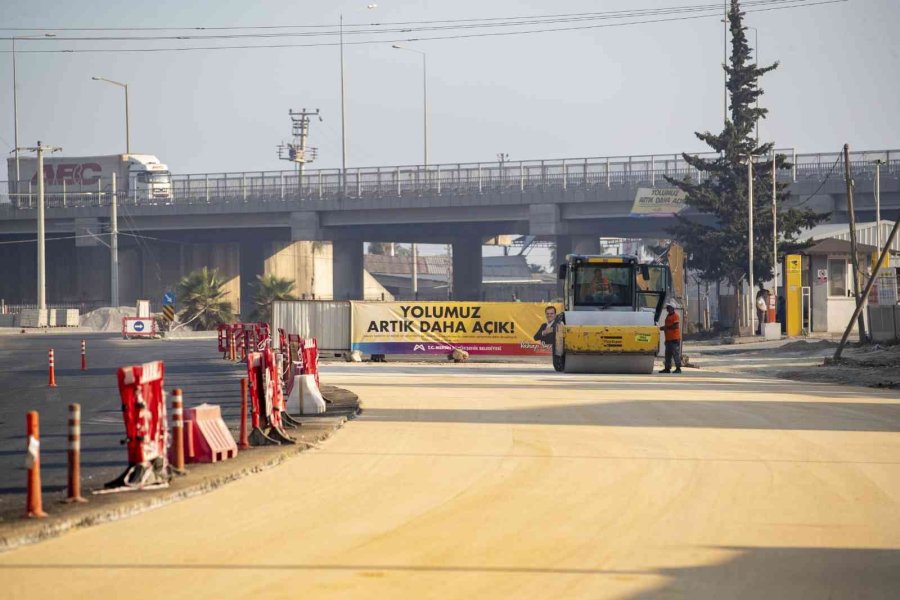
{"x": 672, "y": 330}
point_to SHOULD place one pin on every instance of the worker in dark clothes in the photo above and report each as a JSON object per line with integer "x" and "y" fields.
{"x": 672, "y": 329}
{"x": 547, "y": 330}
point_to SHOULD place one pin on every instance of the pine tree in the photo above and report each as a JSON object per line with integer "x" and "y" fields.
{"x": 720, "y": 251}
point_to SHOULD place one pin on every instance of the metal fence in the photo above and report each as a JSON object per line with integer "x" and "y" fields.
{"x": 508, "y": 177}
{"x": 327, "y": 321}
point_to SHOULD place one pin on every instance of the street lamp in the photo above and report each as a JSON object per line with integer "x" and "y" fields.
{"x": 127, "y": 131}
{"x": 16, "y": 104}
{"x": 344, "y": 108}
{"x": 424, "y": 97}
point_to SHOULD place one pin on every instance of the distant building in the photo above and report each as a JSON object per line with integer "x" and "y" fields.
{"x": 504, "y": 278}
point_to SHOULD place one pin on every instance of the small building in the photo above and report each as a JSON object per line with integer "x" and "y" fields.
{"x": 830, "y": 279}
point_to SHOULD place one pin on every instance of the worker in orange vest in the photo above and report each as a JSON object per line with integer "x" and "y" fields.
{"x": 672, "y": 329}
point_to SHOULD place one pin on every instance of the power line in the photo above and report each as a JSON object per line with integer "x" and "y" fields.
{"x": 797, "y": 4}
{"x": 482, "y": 21}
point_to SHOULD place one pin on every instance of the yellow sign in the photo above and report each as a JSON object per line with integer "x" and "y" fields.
{"x": 492, "y": 328}
{"x": 793, "y": 283}
{"x": 659, "y": 202}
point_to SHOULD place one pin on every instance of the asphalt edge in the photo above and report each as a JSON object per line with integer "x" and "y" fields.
{"x": 32, "y": 532}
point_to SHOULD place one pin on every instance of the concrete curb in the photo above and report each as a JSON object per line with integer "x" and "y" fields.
{"x": 114, "y": 507}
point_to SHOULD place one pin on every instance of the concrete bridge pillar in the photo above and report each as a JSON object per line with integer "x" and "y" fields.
{"x": 467, "y": 269}
{"x": 585, "y": 244}
{"x": 252, "y": 263}
{"x": 348, "y": 272}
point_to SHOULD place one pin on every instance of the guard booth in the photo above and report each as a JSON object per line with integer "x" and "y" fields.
{"x": 830, "y": 276}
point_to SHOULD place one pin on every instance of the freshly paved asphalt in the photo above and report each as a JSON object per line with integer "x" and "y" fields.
{"x": 191, "y": 364}
{"x": 512, "y": 481}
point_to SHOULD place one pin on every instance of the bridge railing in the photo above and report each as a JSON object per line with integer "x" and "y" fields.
{"x": 507, "y": 177}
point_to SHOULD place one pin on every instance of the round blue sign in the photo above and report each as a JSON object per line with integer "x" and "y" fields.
{"x": 138, "y": 325}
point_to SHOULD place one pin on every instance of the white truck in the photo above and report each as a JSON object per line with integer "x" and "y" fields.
{"x": 71, "y": 180}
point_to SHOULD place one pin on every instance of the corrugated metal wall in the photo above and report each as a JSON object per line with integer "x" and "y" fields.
{"x": 327, "y": 321}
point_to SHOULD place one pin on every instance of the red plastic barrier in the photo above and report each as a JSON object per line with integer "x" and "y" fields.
{"x": 210, "y": 439}
{"x": 146, "y": 430}
{"x": 223, "y": 332}
{"x": 310, "y": 353}
{"x": 266, "y": 400}
{"x": 282, "y": 343}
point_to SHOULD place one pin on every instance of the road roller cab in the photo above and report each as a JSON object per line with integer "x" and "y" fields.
{"x": 613, "y": 306}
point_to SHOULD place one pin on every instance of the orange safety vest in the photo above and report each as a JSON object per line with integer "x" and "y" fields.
{"x": 673, "y": 329}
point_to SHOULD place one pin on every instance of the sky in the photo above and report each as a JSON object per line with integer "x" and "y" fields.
{"x": 638, "y": 89}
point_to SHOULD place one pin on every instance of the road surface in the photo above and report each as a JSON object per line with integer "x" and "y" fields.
{"x": 505, "y": 481}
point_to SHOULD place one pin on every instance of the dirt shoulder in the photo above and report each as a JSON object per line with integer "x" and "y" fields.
{"x": 201, "y": 478}
{"x": 870, "y": 366}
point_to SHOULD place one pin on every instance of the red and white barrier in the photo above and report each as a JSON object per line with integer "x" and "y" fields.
{"x": 146, "y": 430}
{"x": 266, "y": 400}
{"x": 210, "y": 439}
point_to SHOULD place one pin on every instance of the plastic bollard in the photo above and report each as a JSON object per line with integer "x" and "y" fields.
{"x": 51, "y": 382}
{"x": 244, "y": 442}
{"x": 75, "y": 454}
{"x": 83, "y": 356}
{"x": 177, "y": 431}
{"x": 33, "y": 504}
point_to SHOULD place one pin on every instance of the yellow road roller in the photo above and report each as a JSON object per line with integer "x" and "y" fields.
{"x": 612, "y": 313}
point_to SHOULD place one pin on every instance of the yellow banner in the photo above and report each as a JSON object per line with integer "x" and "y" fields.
{"x": 658, "y": 202}
{"x": 491, "y": 328}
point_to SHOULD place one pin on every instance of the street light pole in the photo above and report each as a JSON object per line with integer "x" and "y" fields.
{"x": 750, "y": 235}
{"x": 344, "y": 107}
{"x": 127, "y": 125}
{"x": 424, "y": 98}
{"x": 878, "y": 164}
{"x": 725, "y": 62}
{"x": 343, "y": 116}
{"x": 16, "y": 108}
{"x": 15, "y": 122}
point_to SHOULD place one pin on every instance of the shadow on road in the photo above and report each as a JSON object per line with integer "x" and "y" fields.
{"x": 718, "y": 414}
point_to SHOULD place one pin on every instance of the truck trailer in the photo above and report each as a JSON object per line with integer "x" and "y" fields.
{"x": 78, "y": 180}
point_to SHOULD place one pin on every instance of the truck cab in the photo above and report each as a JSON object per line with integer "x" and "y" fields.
{"x": 149, "y": 180}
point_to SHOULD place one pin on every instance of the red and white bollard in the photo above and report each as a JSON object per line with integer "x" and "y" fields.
{"x": 52, "y": 374}
{"x": 178, "y": 432}
{"x": 75, "y": 454}
{"x": 232, "y": 349}
{"x": 244, "y": 442}
{"x": 83, "y": 356}
{"x": 33, "y": 503}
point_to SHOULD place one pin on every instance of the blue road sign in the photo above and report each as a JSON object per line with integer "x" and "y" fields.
{"x": 168, "y": 298}
{"x": 138, "y": 325}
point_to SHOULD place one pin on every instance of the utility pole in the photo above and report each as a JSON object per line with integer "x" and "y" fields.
{"x": 878, "y": 164}
{"x": 343, "y": 118}
{"x": 854, "y": 258}
{"x": 750, "y": 236}
{"x": 15, "y": 123}
{"x": 415, "y": 271}
{"x": 41, "y": 239}
{"x": 113, "y": 246}
{"x": 774, "y": 226}
{"x": 725, "y": 62}
{"x": 297, "y": 152}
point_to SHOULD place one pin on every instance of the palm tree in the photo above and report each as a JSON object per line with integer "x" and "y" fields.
{"x": 270, "y": 288}
{"x": 201, "y": 295}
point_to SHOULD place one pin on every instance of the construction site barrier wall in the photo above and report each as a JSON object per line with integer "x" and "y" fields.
{"x": 884, "y": 323}
{"x": 327, "y": 321}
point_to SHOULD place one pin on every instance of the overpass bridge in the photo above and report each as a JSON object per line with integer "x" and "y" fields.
{"x": 569, "y": 201}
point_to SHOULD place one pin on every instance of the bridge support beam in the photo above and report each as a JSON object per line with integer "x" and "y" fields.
{"x": 252, "y": 263}
{"x": 347, "y": 274}
{"x": 467, "y": 269}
